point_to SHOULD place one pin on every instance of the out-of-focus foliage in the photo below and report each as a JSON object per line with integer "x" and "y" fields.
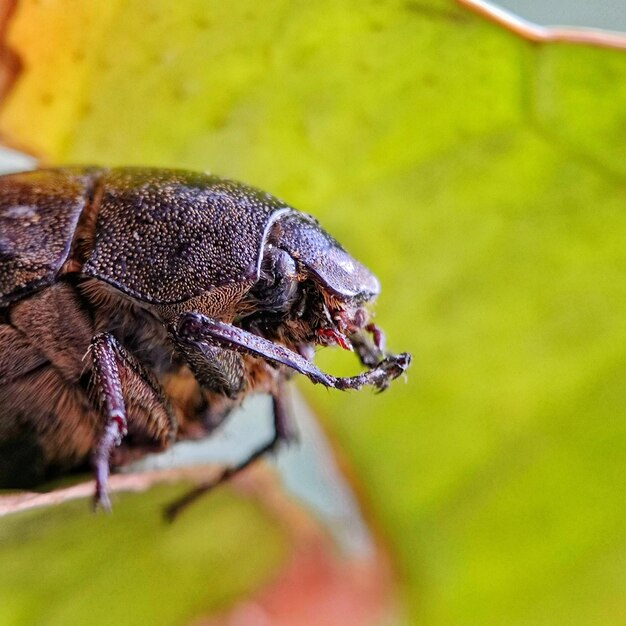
{"x": 64, "y": 565}
{"x": 484, "y": 178}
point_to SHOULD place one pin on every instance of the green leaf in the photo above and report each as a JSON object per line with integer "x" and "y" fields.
{"x": 65, "y": 565}
{"x": 483, "y": 178}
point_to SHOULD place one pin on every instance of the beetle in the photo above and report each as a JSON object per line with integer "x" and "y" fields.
{"x": 138, "y": 306}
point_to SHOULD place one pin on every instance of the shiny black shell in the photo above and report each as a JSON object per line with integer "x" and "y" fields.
{"x": 39, "y": 212}
{"x": 158, "y": 235}
{"x": 161, "y": 236}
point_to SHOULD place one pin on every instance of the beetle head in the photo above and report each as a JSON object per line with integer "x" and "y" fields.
{"x": 310, "y": 290}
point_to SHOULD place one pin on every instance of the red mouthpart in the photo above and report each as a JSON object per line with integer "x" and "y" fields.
{"x": 336, "y": 336}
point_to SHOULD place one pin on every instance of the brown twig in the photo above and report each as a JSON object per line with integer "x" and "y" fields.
{"x": 14, "y": 503}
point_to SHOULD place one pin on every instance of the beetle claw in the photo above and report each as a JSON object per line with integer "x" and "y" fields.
{"x": 380, "y": 376}
{"x": 102, "y": 500}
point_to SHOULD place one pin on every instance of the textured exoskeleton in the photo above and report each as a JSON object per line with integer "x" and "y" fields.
{"x": 138, "y": 306}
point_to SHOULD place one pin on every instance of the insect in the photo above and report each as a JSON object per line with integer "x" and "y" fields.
{"x": 139, "y": 306}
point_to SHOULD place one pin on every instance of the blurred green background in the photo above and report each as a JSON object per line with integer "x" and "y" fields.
{"x": 483, "y": 178}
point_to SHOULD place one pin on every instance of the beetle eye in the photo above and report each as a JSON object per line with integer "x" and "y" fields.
{"x": 277, "y": 286}
{"x": 276, "y": 267}
{"x": 281, "y": 265}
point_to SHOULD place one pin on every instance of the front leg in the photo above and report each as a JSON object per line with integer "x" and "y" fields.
{"x": 215, "y": 368}
{"x": 117, "y": 373}
{"x": 198, "y": 329}
{"x": 194, "y": 332}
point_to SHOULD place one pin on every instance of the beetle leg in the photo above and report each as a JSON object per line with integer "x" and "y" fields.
{"x": 213, "y": 367}
{"x": 369, "y": 354}
{"x": 107, "y": 379}
{"x": 284, "y": 431}
{"x": 117, "y": 373}
{"x": 380, "y": 341}
{"x": 195, "y": 328}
